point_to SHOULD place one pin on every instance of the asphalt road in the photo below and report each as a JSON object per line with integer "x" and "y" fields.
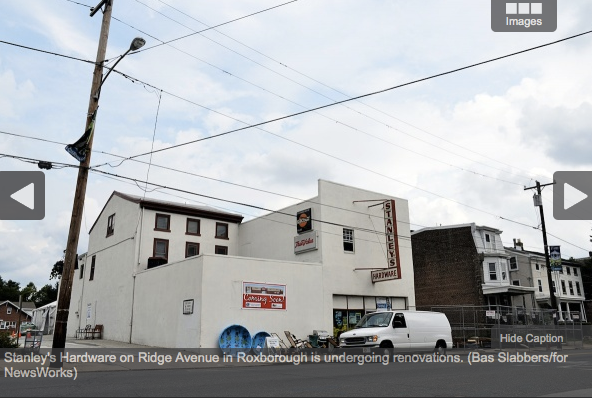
{"x": 572, "y": 378}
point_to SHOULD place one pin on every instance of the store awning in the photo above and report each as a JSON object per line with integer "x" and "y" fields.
{"x": 512, "y": 290}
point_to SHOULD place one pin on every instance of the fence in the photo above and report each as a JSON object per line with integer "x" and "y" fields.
{"x": 507, "y": 327}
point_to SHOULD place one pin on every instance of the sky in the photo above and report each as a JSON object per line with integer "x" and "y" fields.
{"x": 460, "y": 148}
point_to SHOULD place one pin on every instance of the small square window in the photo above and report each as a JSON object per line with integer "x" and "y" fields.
{"x": 163, "y": 223}
{"x": 191, "y": 249}
{"x": 111, "y": 225}
{"x": 161, "y": 248}
{"x": 222, "y": 250}
{"x": 193, "y": 227}
{"x": 221, "y": 230}
{"x": 516, "y": 283}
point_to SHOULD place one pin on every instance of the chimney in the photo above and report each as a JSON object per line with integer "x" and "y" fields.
{"x": 518, "y": 244}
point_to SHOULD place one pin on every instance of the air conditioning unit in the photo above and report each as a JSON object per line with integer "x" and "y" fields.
{"x": 156, "y": 261}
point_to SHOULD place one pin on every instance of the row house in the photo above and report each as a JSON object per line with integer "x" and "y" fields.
{"x": 464, "y": 264}
{"x": 529, "y": 268}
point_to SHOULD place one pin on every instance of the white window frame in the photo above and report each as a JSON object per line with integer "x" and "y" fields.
{"x": 515, "y": 268}
{"x": 492, "y": 272}
{"x": 348, "y": 237}
{"x": 8, "y": 310}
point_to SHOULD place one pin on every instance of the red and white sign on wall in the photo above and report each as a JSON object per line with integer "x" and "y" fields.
{"x": 392, "y": 246}
{"x": 305, "y": 242}
{"x": 264, "y": 296}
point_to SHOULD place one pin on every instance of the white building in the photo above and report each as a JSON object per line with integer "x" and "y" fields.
{"x": 530, "y": 268}
{"x": 173, "y": 275}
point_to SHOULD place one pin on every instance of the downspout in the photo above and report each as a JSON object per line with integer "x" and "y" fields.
{"x": 134, "y": 269}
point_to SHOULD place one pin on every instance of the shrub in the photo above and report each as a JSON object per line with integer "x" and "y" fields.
{"x": 7, "y": 341}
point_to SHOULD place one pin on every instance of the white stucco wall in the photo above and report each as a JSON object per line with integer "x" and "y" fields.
{"x": 215, "y": 283}
{"x": 109, "y": 294}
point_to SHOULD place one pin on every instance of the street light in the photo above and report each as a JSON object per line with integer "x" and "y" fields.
{"x": 136, "y": 44}
{"x": 85, "y": 148}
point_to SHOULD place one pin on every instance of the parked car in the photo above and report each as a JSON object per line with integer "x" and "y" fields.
{"x": 400, "y": 330}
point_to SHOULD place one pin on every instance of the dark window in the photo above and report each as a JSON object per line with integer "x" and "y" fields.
{"x": 516, "y": 283}
{"x": 561, "y": 270}
{"x": 221, "y": 230}
{"x": 348, "y": 240}
{"x": 537, "y": 267}
{"x": 492, "y": 272}
{"x": 563, "y": 287}
{"x": 571, "y": 291}
{"x": 191, "y": 249}
{"x": 111, "y": 225}
{"x": 163, "y": 223}
{"x": 92, "y": 268}
{"x": 192, "y": 226}
{"x": 161, "y": 248}
{"x": 554, "y": 289}
{"x": 222, "y": 250}
{"x": 575, "y": 271}
{"x": 578, "y": 288}
{"x": 540, "y": 285}
{"x": 399, "y": 321}
{"x": 81, "y": 272}
{"x": 487, "y": 239}
{"x": 513, "y": 264}
{"x": 568, "y": 270}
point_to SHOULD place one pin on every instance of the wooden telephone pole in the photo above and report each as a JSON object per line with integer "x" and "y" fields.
{"x": 538, "y": 201}
{"x": 63, "y": 308}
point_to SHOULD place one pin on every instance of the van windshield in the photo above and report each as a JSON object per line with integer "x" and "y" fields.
{"x": 376, "y": 319}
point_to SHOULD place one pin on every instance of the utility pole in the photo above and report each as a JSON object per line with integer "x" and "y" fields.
{"x": 63, "y": 309}
{"x": 538, "y": 201}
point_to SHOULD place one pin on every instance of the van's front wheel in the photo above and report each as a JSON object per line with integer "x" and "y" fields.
{"x": 387, "y": 347}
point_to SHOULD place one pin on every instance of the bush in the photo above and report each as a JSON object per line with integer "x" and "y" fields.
{"x": 7, "y": 341}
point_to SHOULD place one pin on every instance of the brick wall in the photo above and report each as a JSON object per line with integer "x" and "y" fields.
{"x": 447, "y": 268}
{"x": 12, "y": 317}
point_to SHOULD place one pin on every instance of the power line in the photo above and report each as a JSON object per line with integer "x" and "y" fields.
{"x": 327, "y": 97}
{"x": 47, "y": 52}
{"x": 372, "y": 93}
{"x": 216, "y": 26}
{"x": 160, "y": 186}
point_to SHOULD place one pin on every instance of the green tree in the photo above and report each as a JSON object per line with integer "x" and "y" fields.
{"x": 47, "y": 294}
{"x": 9, "y": 290}
{"x": 28, "y": 292}
{"x": 56, "y": 271}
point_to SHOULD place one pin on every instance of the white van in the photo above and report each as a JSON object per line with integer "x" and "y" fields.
{"x": 401, "y": 330}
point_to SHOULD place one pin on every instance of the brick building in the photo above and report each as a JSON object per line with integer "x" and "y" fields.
{"x": 9, "y": 315}
{"x": 462, "y": 265}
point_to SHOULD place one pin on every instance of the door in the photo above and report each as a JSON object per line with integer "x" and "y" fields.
{"x": 400, "y": 334}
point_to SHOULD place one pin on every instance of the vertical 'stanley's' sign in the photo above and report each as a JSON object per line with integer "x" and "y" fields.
{"x": 392, "y": 246}
{"x": 392, "y": 241}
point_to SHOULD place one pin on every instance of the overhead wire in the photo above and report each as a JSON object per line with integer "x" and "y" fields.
{"x": 160, "y": 186}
